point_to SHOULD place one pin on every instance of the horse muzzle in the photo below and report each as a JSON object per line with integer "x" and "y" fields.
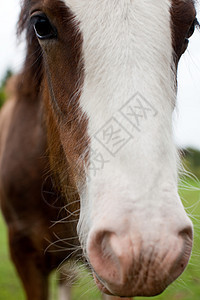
{"x": 135, "y": 264}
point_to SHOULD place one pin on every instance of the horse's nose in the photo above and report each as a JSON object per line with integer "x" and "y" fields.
{"x": 135, "y": 265}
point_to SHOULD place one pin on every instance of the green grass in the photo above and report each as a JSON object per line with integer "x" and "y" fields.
{"x": 187, "y": 287}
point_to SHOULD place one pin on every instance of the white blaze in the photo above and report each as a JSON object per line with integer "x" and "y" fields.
{"x": 127, "y": 53}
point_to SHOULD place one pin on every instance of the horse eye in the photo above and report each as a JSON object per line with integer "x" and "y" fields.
{"x": 192, "y": 29}
{"x": 43, "y": 28}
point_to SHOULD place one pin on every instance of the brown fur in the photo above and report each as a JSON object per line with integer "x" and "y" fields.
{"x": 32, "y": 159}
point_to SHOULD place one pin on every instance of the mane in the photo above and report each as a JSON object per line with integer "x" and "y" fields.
{"x": 30, "y": 79}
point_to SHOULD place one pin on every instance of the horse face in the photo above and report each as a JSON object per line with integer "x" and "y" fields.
{"x": 112, "y": 78}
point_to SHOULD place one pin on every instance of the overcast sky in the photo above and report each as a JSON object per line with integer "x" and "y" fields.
{"x": 187, "y": 116}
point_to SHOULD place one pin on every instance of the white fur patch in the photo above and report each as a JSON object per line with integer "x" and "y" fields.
{"x": 127, "y": 53}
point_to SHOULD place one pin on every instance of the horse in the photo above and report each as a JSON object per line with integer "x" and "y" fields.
{"x": 88, "y": 165}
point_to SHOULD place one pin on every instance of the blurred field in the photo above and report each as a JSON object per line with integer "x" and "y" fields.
{"x": 187, "y": 287}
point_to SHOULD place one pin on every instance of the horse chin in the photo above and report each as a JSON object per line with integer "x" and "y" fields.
{"x": 145, "y": 293}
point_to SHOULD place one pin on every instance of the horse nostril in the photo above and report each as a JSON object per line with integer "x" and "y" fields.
{"x": 110, "y": 255}
{"x": 99, "y": 250}
{"x": 187, "y": 233}
{"x": 183, "y": 249}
